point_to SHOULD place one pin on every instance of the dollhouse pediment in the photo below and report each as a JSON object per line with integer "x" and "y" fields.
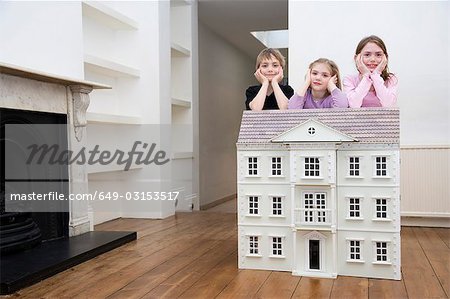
{"x": 312, "y": 131}
{"x": 315, "y": 235}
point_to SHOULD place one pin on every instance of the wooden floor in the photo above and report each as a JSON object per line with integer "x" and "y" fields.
{"x": 194, "y": 255}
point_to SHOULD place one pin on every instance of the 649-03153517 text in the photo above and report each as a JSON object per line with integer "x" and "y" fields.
{"x": 97, "y": 195}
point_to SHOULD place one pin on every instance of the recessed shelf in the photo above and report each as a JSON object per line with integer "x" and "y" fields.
{"x": 182, "y": 155}
{"x": 111, "y": 168}
{"x": 112, "y": 118}
{"x": 175, "y": 3}
{"x": 108, "y": 16}
{"x": 181, "y": 103}
{"x": 109, "y": 67}
{"x": 179, "y": 51}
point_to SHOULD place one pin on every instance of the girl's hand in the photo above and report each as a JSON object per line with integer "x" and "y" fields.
{"x": 362, "y": 68}
{"x": 332, "y": 83}
{"x": 279, "y": 77}
{"x": 307, "y": 78}
{"x": 380, "y": 68}
{"x": 260, "y": 77}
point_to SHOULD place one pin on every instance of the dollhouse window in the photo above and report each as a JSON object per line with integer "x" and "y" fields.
{"x": 354, "y": 250}
{"x": 277, "y": 246}
{"x": 354, "y": 166}
{"x": 312, "y": 167}
{"x": 380, "y": 166}
{"x": 311, "y": 131}
{"x": 253, "y": 166}
{"x": 253, "y": 245}
{"x": 253, "y": 203}
{"x": 314, "y": 207}
{"x": 381, "y": 252}
{"x": 381, "y": 208}
{"x": 277, "y": 206}
{"x": 354, "y": 210}
{"x": 276, "y": 166}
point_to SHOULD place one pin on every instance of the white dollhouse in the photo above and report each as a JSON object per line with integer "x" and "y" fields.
{"x": 319, "y": 192}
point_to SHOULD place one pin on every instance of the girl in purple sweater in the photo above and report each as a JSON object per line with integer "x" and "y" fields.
{"x": 321, "y": 88}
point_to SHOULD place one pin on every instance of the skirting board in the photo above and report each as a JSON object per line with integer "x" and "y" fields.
{"x": 217, "y": 202}
{"x": 426, "y": 221}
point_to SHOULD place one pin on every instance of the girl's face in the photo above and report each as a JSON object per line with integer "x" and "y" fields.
{"x": 270, "y": 67}
{"x": 372, "y": 55}
{"x": 320, "y": 75}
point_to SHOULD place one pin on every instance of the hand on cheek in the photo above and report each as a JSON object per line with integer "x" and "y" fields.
{"x": 279, "y": 76}
{"x": 332, "y": 83}
{"x": 380, "y": 68}
{"x": 260, "y": 77}
{"x": 362, "y": 68}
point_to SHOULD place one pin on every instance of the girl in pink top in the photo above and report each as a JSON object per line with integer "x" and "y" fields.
{"x": 374, "y": 86}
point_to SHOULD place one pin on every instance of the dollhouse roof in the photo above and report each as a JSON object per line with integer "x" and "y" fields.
{"x": 363, "y": 125}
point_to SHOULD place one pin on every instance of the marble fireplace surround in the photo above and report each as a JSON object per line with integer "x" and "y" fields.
{"x": 25, "y": 89}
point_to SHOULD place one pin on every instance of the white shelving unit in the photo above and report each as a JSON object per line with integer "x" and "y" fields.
{"x": 181, "y": 103}
{"x": 102, "y": 24}
{"x": 106, "y": 32}
{"x": 179, "y": 51}
{"x": 181, "y": 23}
{"x": 108, "y": 16}
{"x": 109, "y": 67}
{"x": 93, "y": 117}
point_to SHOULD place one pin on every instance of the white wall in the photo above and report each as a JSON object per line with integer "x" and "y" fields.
{"x": 417, "y": 38}
{"x": 224, "y": 75}
{"x": 44, "y": 36}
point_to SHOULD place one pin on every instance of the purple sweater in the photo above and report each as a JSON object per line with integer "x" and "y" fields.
{"x": 337, "y": 99}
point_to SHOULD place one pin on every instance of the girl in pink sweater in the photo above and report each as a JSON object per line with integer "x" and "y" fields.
{"x": 374, "y": 86}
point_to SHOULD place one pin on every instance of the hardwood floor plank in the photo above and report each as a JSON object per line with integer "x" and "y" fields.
{"x": 149, "y": 280}
{"x": 312, "y": 288}
{"x": 245, "y": 285}
{"x": 214, "y": 281}
{"x": 350, "y": 287}
{"x": 420, "y": 280}
{"x": 278, "y": 285}
{"x": 444, "y": 233}
{"x": 387, "y": 289}
{"x": 178, "y": 283}
{"x": 438, "y": 255}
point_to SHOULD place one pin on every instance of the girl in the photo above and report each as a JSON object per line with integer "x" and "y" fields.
{"x": 374, "y": 86}
{"x": 269, "y": 73}
{"x": 321, "y": 88}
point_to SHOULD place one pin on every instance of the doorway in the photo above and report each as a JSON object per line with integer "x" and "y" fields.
{"x": 314, "y": 254}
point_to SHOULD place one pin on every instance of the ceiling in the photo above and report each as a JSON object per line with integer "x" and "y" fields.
{"x": 233, "y": 20}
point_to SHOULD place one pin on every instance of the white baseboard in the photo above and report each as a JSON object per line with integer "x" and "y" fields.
{"x": 426, "y": 221}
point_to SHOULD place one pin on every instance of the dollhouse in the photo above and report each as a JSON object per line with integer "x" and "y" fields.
{"x": 319, "y": 192}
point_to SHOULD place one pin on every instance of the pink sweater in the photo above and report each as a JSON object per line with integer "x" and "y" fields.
{"x": 359, "y": 94}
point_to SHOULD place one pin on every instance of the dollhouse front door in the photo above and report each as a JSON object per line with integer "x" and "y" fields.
{"x": 314, "y": 254}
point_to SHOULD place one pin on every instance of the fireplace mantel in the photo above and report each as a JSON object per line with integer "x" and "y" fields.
{"x": 26, "y": 89}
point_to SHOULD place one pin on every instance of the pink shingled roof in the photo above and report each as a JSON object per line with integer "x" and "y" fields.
{"x": 367, "y": 125}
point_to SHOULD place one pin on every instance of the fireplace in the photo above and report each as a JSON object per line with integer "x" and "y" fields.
{"x": 23, "y": 230}
{"x": 37, "y": 243}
